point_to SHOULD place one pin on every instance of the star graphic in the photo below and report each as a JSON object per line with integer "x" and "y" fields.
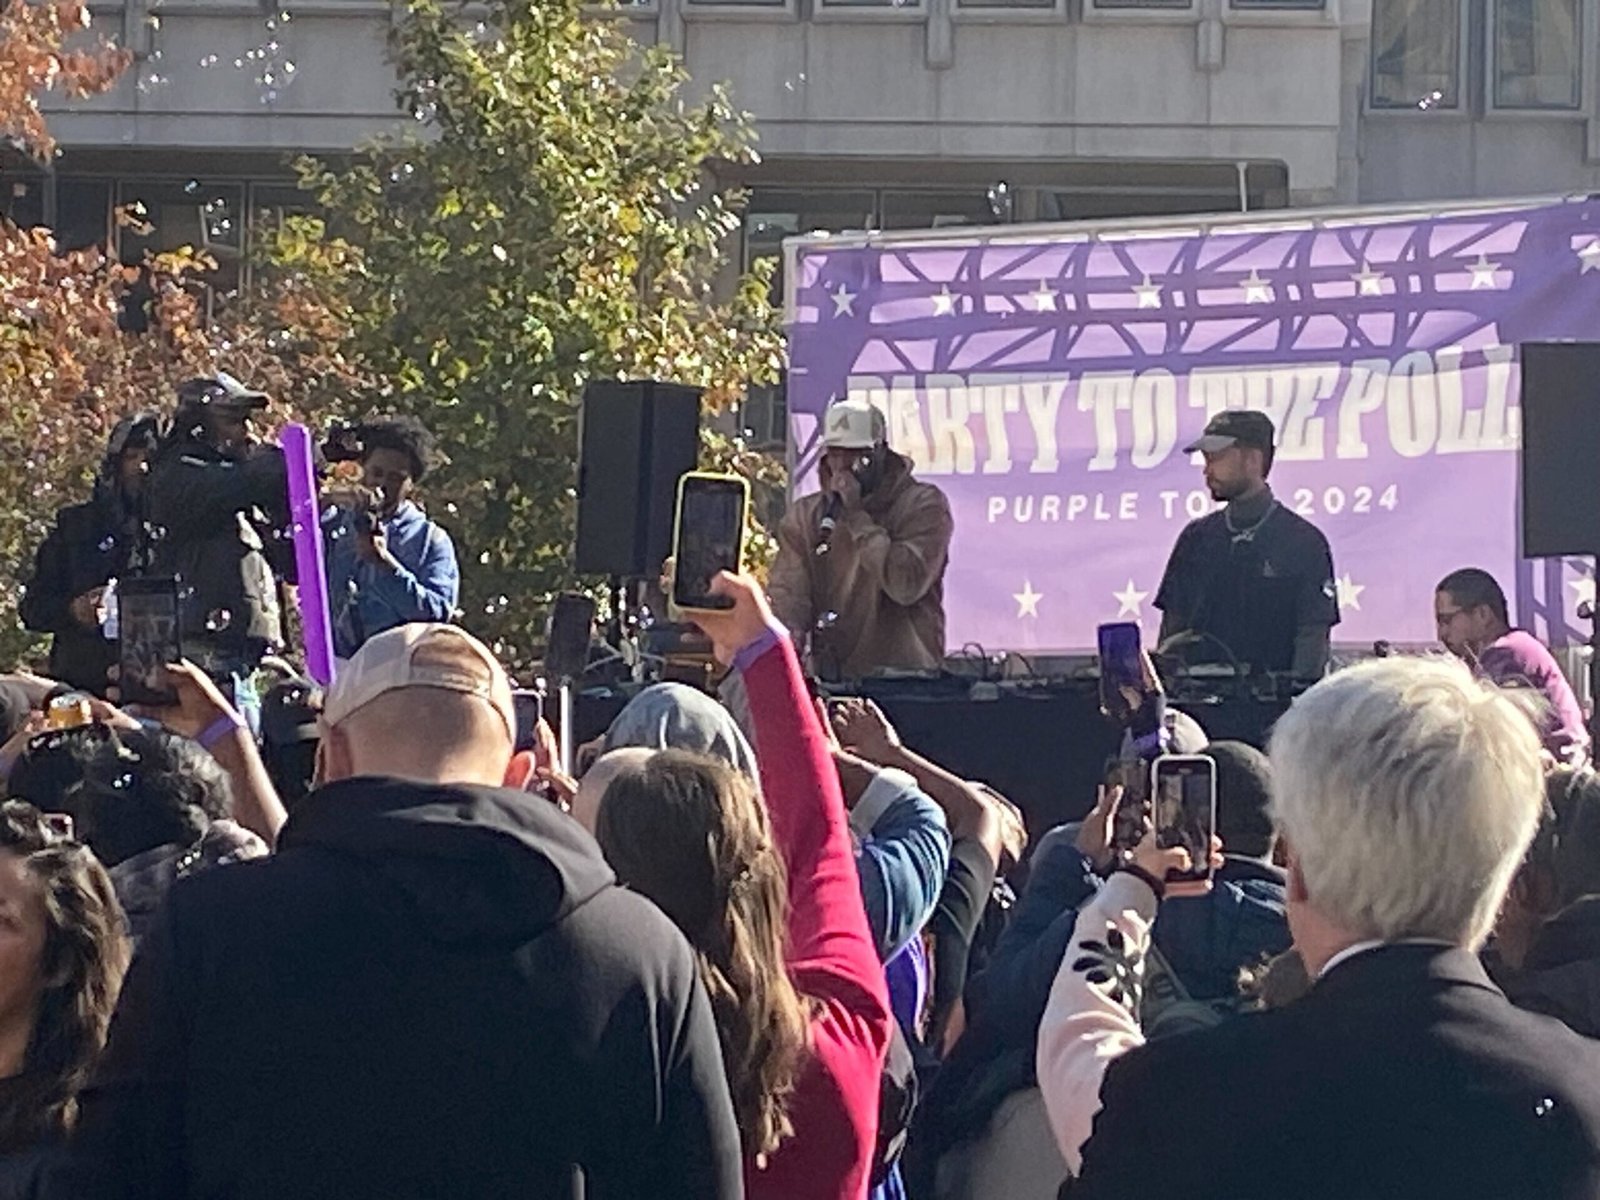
{"x": 1590, "y": 255}
{"x": 1368, "y": 282}
{"x": 1483, "y": 272}
{"x": 1582, "y": 590}
{"x": 1256, "y": 289}
{"x": 944, "y": 304}
{"x": 1044, "y": 300}
{"x": 844, "y": 302}
{"x": 1128, "y": 600}
{"x": 1149, "y": 294}
{"x": 1027, "y": 600}
{"x": 1349, "y": 592}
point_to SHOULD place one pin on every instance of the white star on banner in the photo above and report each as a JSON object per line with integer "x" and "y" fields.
{"x": 944, "y": 304}
{"x": 1149, "y": 294}
{"x": 844, "y": 302}
{"x": 1256, "y": 289}
{"x": 1044, "y": 300}
{"x": 1582, "y": 590}
{"x": 1483, "y": 272}
{"x": 1368, "y": 282}
{"x": 1590, "y": 255}
{"x": 1128, "y": 600}
{"x": 1350, "y": 592}
{"x": 1027, "y": 600}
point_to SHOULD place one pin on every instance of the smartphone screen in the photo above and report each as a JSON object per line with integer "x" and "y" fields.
{"x": 1122, "y": 679}
{"x": 711, "y": 511}
{"x": 1185, "y": 795}
{"x": 567, "y": 644}
{"x": 147, "y": 625}
{"x": 529, "y": 708}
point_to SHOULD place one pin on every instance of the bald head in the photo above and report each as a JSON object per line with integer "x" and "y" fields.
{"x": 592, "y": 788}
{"x": 423, "y": 735}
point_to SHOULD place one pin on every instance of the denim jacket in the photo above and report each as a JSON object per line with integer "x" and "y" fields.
{"x": 368, "y": 598}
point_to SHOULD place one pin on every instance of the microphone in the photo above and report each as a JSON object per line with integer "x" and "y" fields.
{"x": 830, "y": 520}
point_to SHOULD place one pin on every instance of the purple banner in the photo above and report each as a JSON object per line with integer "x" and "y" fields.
{"x": 1049, "y": 382}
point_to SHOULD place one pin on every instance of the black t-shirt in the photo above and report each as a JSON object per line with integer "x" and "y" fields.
{"x": 1251, "y": 587}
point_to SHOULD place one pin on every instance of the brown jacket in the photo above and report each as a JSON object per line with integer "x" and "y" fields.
{"x": 883, "y": 574}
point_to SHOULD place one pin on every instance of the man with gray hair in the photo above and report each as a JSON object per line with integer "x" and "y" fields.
{"x": 1407, "y": 793}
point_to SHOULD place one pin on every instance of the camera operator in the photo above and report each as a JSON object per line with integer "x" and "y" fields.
{"x": 388, "y": 564}
{"x": 217, "y": 500}
{"x": 90, "y": 545}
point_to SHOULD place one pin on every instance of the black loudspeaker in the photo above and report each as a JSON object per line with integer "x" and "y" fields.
{"x": 636, "y": 440}
{"x": 1560, "y": 449}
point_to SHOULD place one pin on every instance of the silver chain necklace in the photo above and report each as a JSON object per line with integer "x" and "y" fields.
{"x": 1248, "y": 533}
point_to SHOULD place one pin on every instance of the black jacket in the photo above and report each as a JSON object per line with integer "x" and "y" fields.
{"x": 1561, "y": 977}
{"x": 88, "y": 545}
{"x": 428, "y": 992}
{"x": 1403, "y": 1073}
{"x": 221, "y": 526}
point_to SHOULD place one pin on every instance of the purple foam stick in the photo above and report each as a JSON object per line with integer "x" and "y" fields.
{"x": 305, "y": 520}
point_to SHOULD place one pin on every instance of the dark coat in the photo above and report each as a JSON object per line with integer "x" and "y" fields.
{"x": 1240, "y": 922}
{"x": 428, "y": 992}
{"x": 1561, "y": 977}
{"x": 221, "y": 525}
{"x": 1403, "y": 1073}
{"x": 89, "y": 544}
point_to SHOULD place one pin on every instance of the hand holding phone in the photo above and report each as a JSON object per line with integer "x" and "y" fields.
{"x": 745, "y": 618}
{"x": 148, "y": 641}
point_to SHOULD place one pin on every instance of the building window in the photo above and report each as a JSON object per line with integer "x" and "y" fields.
{"x": 1249, "y": 4}
{"x": 1143, "y": 4}
{"x": 1416, "y": 54}
{"x": 205, "y": 216}
{"x": 1537, "y": 53}
{"x": 1035, "y": 4}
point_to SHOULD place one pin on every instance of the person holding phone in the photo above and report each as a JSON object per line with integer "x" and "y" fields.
{"x": 388, "y": 564}
{"x": 1250, "y": 585}
{"x": 90, "y": 545}
{"x": 859, "y": 575}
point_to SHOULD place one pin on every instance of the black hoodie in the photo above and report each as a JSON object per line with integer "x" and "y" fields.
{"x": 428, "y": 992}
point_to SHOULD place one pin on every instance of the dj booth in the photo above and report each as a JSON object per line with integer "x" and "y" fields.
{"x": 1043, "y": 744}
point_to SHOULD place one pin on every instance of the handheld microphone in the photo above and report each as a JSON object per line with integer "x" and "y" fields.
{"x": 830, "y": 520}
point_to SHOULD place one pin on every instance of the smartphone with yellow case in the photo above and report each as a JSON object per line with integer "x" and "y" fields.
{"x": 708, "y": 538}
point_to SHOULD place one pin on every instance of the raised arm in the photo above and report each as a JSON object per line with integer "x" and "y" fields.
{"x": 906, "y": 562}
{"x": 428, "y": 593}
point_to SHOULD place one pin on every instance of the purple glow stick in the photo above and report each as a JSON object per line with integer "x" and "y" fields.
{"x": 307, "y": 525}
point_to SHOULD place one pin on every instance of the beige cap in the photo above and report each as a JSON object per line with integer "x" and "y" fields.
{"x": 420, "y": 655}
{"x": 854, "y": 425}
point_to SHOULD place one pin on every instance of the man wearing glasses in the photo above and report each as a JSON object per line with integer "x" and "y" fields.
{"x": 1470, "y": 612}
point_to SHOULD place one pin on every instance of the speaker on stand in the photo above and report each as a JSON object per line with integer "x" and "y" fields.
{"x": 1559, "y": 465}
{"x": 635, "y": 440}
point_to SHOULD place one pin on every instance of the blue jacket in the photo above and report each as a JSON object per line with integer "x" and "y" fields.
{"x": 1240, "y": 922}
{"x": 902, "y": 855}
{"x": 367, "y": 599}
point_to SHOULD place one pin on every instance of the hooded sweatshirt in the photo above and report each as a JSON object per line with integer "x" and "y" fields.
{"x": 883, "y": 575}
{"x": 1561, "y": 976}
{"x": 428, "y": 992}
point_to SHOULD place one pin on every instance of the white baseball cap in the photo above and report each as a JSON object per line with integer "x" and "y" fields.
{"x": 420, "y": 655}
{"x": 853, "y": 425}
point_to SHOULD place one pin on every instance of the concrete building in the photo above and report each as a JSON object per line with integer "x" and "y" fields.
{"x": 901, "y": 113}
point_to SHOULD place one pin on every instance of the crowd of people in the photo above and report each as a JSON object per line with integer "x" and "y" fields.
{"x": 758, "y": 945}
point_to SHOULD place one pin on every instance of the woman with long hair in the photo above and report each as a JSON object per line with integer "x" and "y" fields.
{"x": 62, "y": 956}
{"x": 764, "y": 887}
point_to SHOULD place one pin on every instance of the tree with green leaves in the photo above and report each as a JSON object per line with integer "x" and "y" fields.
{"x": 554, "y": 217}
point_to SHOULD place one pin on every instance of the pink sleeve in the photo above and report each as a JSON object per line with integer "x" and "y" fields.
{"x": 830, "y": 949}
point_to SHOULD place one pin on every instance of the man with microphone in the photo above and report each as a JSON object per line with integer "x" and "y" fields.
{"x": 860, "y": 568}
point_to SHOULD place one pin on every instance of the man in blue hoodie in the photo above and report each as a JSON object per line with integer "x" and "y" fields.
{"x": 388, "y": 564}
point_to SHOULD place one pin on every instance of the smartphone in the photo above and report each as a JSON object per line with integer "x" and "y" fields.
{"x": 1124, "y": 686}
{"x": 568, "y": 636}
{"x": 148, "y": 640}
{"x": 709, "y": 537}
{"x": 528, "y": 706}
{"x": 1132, "y": 821}
{"x": 1184, "y": 790}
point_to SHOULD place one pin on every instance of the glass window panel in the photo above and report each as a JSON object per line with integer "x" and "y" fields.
{"x": 1036, "y": 4}
{"x": 83, "y": 213}
{"x": 1280, "y": 3}
{"x": 1143, "y": 4}
{"x": 22, "y": 199}
{"x": 207, "y": 216}
{"x": 1416, "y": 54}
{"x": 935, "y": 210}
{"x": 1537, "y": 56}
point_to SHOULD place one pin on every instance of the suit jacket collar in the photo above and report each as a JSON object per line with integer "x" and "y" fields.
{"x": 1386, "y": 971}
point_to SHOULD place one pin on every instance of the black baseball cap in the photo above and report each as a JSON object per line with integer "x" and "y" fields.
{"x": 1235, "y": 427}
{"x": 221, "y": 391}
